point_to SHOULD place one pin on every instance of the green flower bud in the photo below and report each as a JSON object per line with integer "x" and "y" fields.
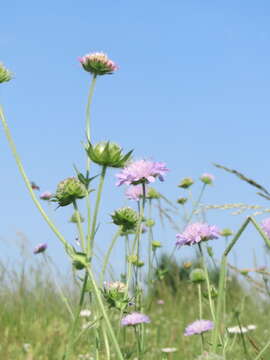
{"x": 73, "y": 218}
{"x": 69, "y": 190}
{"x": 186, "y": 183}
{"x": 226, "y": 232}
{"x": 152, "y": 193}
{"x": 107, "y": 154}
{"x": 213, "y": 292}
{"x": 155, "y": 245}
{"x": 244, "y": 272}
{"x": 132, "y": 259}
{"x": 210, "y": 251}
{"x": 79, "y": 260}
{"x": 197, "y": 276}
{"x": 187, "y": 265}
{"x": 182, "y": 200}
{"x": 207, "y": 179}
{"x": 149, "y": 222}
{"x": 5, "y": 75}
{"x": 125, "y": 217}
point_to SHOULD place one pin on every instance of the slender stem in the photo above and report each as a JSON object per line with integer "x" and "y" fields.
{"x": 88, "y": 107}
{"x": 150, "y": 239}
{"x": 79, "y": 225}
{"x": 107, "y": 256}
{"x": 261, "y": 232}
{"x": 107, "y": 345}
{"x": 200, "y": 300}
{"x": 94, "y": 223}
{"x": 28, "y": 184}
{"x": 105, "y": 315}
{"x": 195, "y": 206}
{"x": 258, "y": 357}
{"x": 236, "y": 237}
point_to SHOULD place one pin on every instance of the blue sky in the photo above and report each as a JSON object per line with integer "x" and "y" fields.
{"x": 192, "y": 89}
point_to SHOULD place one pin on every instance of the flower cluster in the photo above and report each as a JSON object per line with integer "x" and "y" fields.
{"x": 198, "y": 327}
{"x": 98, "y": 64}
{"x": 197, "y": 232}
{"x": 141, "y": 171}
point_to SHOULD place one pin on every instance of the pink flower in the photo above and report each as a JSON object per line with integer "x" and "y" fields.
{"x": 134, "y": 192}
{"x": 98, "y": 64}
{"x": 46, "y": 195}
{"x": 134, "y": 318}
{"x": 197, "y": 232}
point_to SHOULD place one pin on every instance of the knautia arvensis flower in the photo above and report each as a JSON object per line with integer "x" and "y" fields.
{"x": 98, "y": 64}
{"x": 5, "y": 74}
{"x": 197, "y": 232}
{"x": 141, "y": 171}
{"x": 46, "y": 195}
{"x": 74, "y": 219}
{"x": 125, "y": 217}
{"x": 40, "y": 248}
{"x": 135, "y": 318}
{"x": 69, "y": 190}
{"x": 198, "y": 327}
{"x": 207, "y": 179}
{"x": 107, "y": 154}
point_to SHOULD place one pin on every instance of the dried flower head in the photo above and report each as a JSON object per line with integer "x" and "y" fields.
{"x": 134, "y": 318}
{"x": 5, "y": 74}
{"x": 40, "y": 248}
{"x": 141, "y": 171}
{"x": 197, "y": 232}
{"x": 198, "y": 327}
{"x": 98, "y": 64}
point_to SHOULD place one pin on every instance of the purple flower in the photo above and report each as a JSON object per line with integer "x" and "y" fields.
{"x": 46, "y": 195}
{"x": 198, "y": 327}
{"x": 134, "y": 192}
{"x": 207, "y": 178}
{"x": 266, "y": 226}
{"x": 197, "y": 232}
{"x": 134, "y": 318}
{"x": 141, "y": 171}
{"x": 40, "y": 248}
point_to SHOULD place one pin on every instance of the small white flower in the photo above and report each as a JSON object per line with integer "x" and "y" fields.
{"x": 251, "y": 327}
{"x": 85, "y": 313}
{"x": 169, "y": 350}
{"x": 237, "y": 330}
{"x": 27, "y": 347}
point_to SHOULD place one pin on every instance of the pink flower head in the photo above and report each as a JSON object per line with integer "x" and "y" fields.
{"x": 40, "y": 248}
{"x": 266, "y": 226}
{"x": 134, "y": 318}
{"x": 197, "y": 232}
{"x": 198, "y": 327}
{"x": 141, "y": 171}
{"x": 134, "y": 192}
{"x": 98, "y": 64}
{"x": 46, "y": 195}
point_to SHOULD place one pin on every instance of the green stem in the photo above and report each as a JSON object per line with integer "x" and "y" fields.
{"x": 195, "y": 206}
{"x": 200, "y": 300}
{"x": 94, "y": 223}
{"x": 107, "y": 256}
{"x": 258, "y": 357}
{"x": 88, "y": 107}
{"x": 79, "y": 225}
{"x": 68, "y": 248}
{"x": 105, "y": 315}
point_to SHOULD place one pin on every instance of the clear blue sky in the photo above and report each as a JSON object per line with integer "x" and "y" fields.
{"x": 192, "y": 89}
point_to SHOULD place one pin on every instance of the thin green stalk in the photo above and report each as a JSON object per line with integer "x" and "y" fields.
{"x": 258, "y": 357}
{"x": 88, "y": 107}
{"x": 106, "y": 342}
{"x": 150, "y": 239}
{"x": 243, "y": 338}
{"x": 68, "y": 248}
{"x": 107, "y": 256}
{"x": 236, "y": 237}
{"x": 195, "y": 206}
{"x": 200, "y": 300}
{"x": 79, "y": 225}
{"x": 94, "y": 223}
{"x": 105, "y": 315}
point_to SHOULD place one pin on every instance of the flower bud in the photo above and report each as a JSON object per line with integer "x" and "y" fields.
{"x": 74, "y": 220}
{"x": 226, "y": 232}
{"x": 149, "y": 222}
{"x": 98, "y": 64}
{"x": 5, "y": 75}
{"x": 207, "y": 179}
{"x": 182, "y": 200}
{"x": 152, "y": 193}
{"x": 197, "y": 276}
{"x": 107, "y": 154}
{"x": 125, "y": 217}
{"x": 186, "y": 183}
{"x": 155, "y": 245}
{"x": 69, "y": 190}
{"x": 46, "y": 195}
{"x": 40, "y": 248}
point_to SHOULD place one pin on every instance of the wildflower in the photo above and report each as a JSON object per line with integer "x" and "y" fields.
{"x": 85, "y": 313}
{"x": 116, "y": 286}
{"x": 226, "y": 232}
{"x": 160, "y": 302}
{"x": 141, "y": 171}
{"x": 40, "y": 248}
{"x": 69, "y": 190}
{"x": 197, "y": 232}
{"x": 169, "y": 350}
{"x": 186, "y": 183}
{"x": 73, "y": 218}
{"x": 134, "y": 192}
{"x": 207, "y": 179}
{"x": 237, "y": 330}
{"x": 125, "y": 217}
{"x": 182, "y": 200}
{"x": 155, "y": 245}
{"x": 98, "y": 64}
{"x": 46, "y": 195}
{"x": 198, "y": 327}
{"x": 266, "y": 226}
{"x": 107, "y": 154}
{"x": 5, "y": 74}
{"x": 34, "y": 186}
{"x": 134, "y": 318}
{"x": 251, "y": 327}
